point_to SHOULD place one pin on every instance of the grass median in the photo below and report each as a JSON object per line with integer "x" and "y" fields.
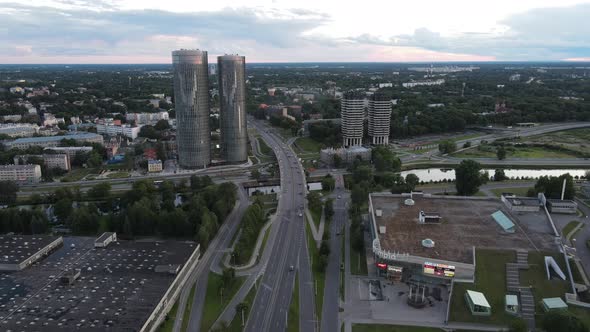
{"x": 293, "y": 317}
{"x": 236, "y": 323}
{"x": 187, "y": 310}
{"x": 319, "y": 276}
{"x": 215, "y": 303}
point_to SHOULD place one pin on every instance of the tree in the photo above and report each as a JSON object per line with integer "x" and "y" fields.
{"x": 100, "y": 191}
{"x": 227, "y": 277}
{"x": 255, "y": 174}
{"x": 552, "y": 186}
{"x": 62, "y": 209}
{"x": 337, "y": 161}
{"x": 499, "y": 175}
{"x": 162, "y": 125}
{"x": 8, "y": 190}
{"x": 314, "y": 201}
{"x": 328, "y": 183}
{"x": 385, "y": 160}
{"x": 329, "y": 209}
{"x": 412, "y": 181}
{"x": 501, "y": 153}
{"x": 447, "y": 146}
{"x": 469, "y": 177}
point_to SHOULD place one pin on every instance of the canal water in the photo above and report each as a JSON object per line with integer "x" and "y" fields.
{"x": 438, "y": 174}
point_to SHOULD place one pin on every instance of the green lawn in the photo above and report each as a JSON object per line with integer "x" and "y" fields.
{"x": 293, "y": 316}
{"x": 236, "y": 323}
{"x": 308, "y": 145}
{"x": 168, "y": 323}
{"x": 532, "y": 152}
{"x": 264, "y": 148}
{"x": 519, "y": 191}
{"x": 77, "y": 174}
{"x": 118, "y": 175}
{"x": 391, "y": 328}
{"x": 358, "y": 261}
{"x": 187, "y": 310}
{"x": 317, "y": 217}
{"x": 214, "y": 302}
{"x": 536, "y": 277}
{"x": 318, "y": 277}
{"x": 569, "y": 228}
{"x": 490, "y": 279}
{"x": 264, "y": 239}
{"x": 474, "y": 153}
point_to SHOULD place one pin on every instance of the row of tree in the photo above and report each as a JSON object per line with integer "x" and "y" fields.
{"x": 252, "y": 222}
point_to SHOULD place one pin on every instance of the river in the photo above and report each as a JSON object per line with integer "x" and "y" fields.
{"x": 438, "y": 174}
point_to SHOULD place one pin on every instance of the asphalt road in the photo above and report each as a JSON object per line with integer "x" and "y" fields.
{"x": 332, "y": 286}
{"x": 271, "y": 304}
{"x": 211, "y": 256}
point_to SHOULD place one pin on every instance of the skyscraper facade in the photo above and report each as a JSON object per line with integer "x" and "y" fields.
{"x": 191, "y": 98}
{"x": 379, "y": 119}
{"x": 352, "y": 113}
{"x": 232, "y": 102}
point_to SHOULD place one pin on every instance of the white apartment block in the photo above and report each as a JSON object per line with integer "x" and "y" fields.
{"x": 423, "y": 83}
{"x": 70, "y": 151}
{"x": 20, "y": 173}
{"x": 61, "y": 161}
{"x": 19, "y": 129}
{"x": 154, "y": 166}
{"x": 114, "y": 130}
{"x": 147, "y": 118}
{"x": 52, "y": 141}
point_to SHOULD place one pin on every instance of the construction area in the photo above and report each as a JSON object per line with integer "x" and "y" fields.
{"x": 452, "y": 226}
{"x": 82, "y": 287}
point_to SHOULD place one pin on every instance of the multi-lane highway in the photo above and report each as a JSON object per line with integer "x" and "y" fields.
{"x": 289, "y": 256}
{"x": 332, "y": 285}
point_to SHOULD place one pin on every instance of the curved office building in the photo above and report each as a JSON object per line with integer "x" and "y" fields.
{"x": 352, "y": 113}
{"x": 232, "y": 101}
{"x": 191, "y": 98}
{"x": 379, "y": 119}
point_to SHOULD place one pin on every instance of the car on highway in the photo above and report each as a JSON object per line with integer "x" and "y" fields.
{"x": 339, "y": 196}
{"x": 300, "y": 214}
{"x": 291, "y": 268}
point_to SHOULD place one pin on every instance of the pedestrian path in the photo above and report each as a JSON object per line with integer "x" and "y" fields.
{"x": 316, "y": 232}
{"x": 527, "y": 301}
{"x": 255, "y": 252}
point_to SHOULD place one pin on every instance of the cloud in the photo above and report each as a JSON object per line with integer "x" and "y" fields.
{"x": 538, "y": 34}
{"x": 55, "y": 30}
{"x": 85, "y": 30}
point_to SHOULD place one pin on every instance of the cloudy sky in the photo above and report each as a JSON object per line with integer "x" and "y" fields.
{"x": 145, "y": 31}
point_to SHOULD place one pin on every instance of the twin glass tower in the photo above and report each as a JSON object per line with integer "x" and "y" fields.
{"x": 191, "y": 95}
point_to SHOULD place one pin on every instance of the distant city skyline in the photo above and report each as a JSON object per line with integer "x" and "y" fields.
{"x": 133, "y": 31}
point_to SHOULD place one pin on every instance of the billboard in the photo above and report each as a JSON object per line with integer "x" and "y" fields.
{"x": 439, "y": 270}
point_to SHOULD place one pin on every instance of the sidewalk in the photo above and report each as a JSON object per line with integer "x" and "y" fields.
{"x": 317, "y": 233}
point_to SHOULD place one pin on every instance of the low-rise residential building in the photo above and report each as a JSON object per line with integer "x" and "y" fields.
{"x": 70, "y": 151}
{"x": 147, "y": 118}
{"x": 61, "y": 161}
{"x": 54, "y": 141}
{"x": 20, "y": 173}
{"x": 113, "y": 130}
{"x": 19, "y": 129}
{"x": 154, "y": 165}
